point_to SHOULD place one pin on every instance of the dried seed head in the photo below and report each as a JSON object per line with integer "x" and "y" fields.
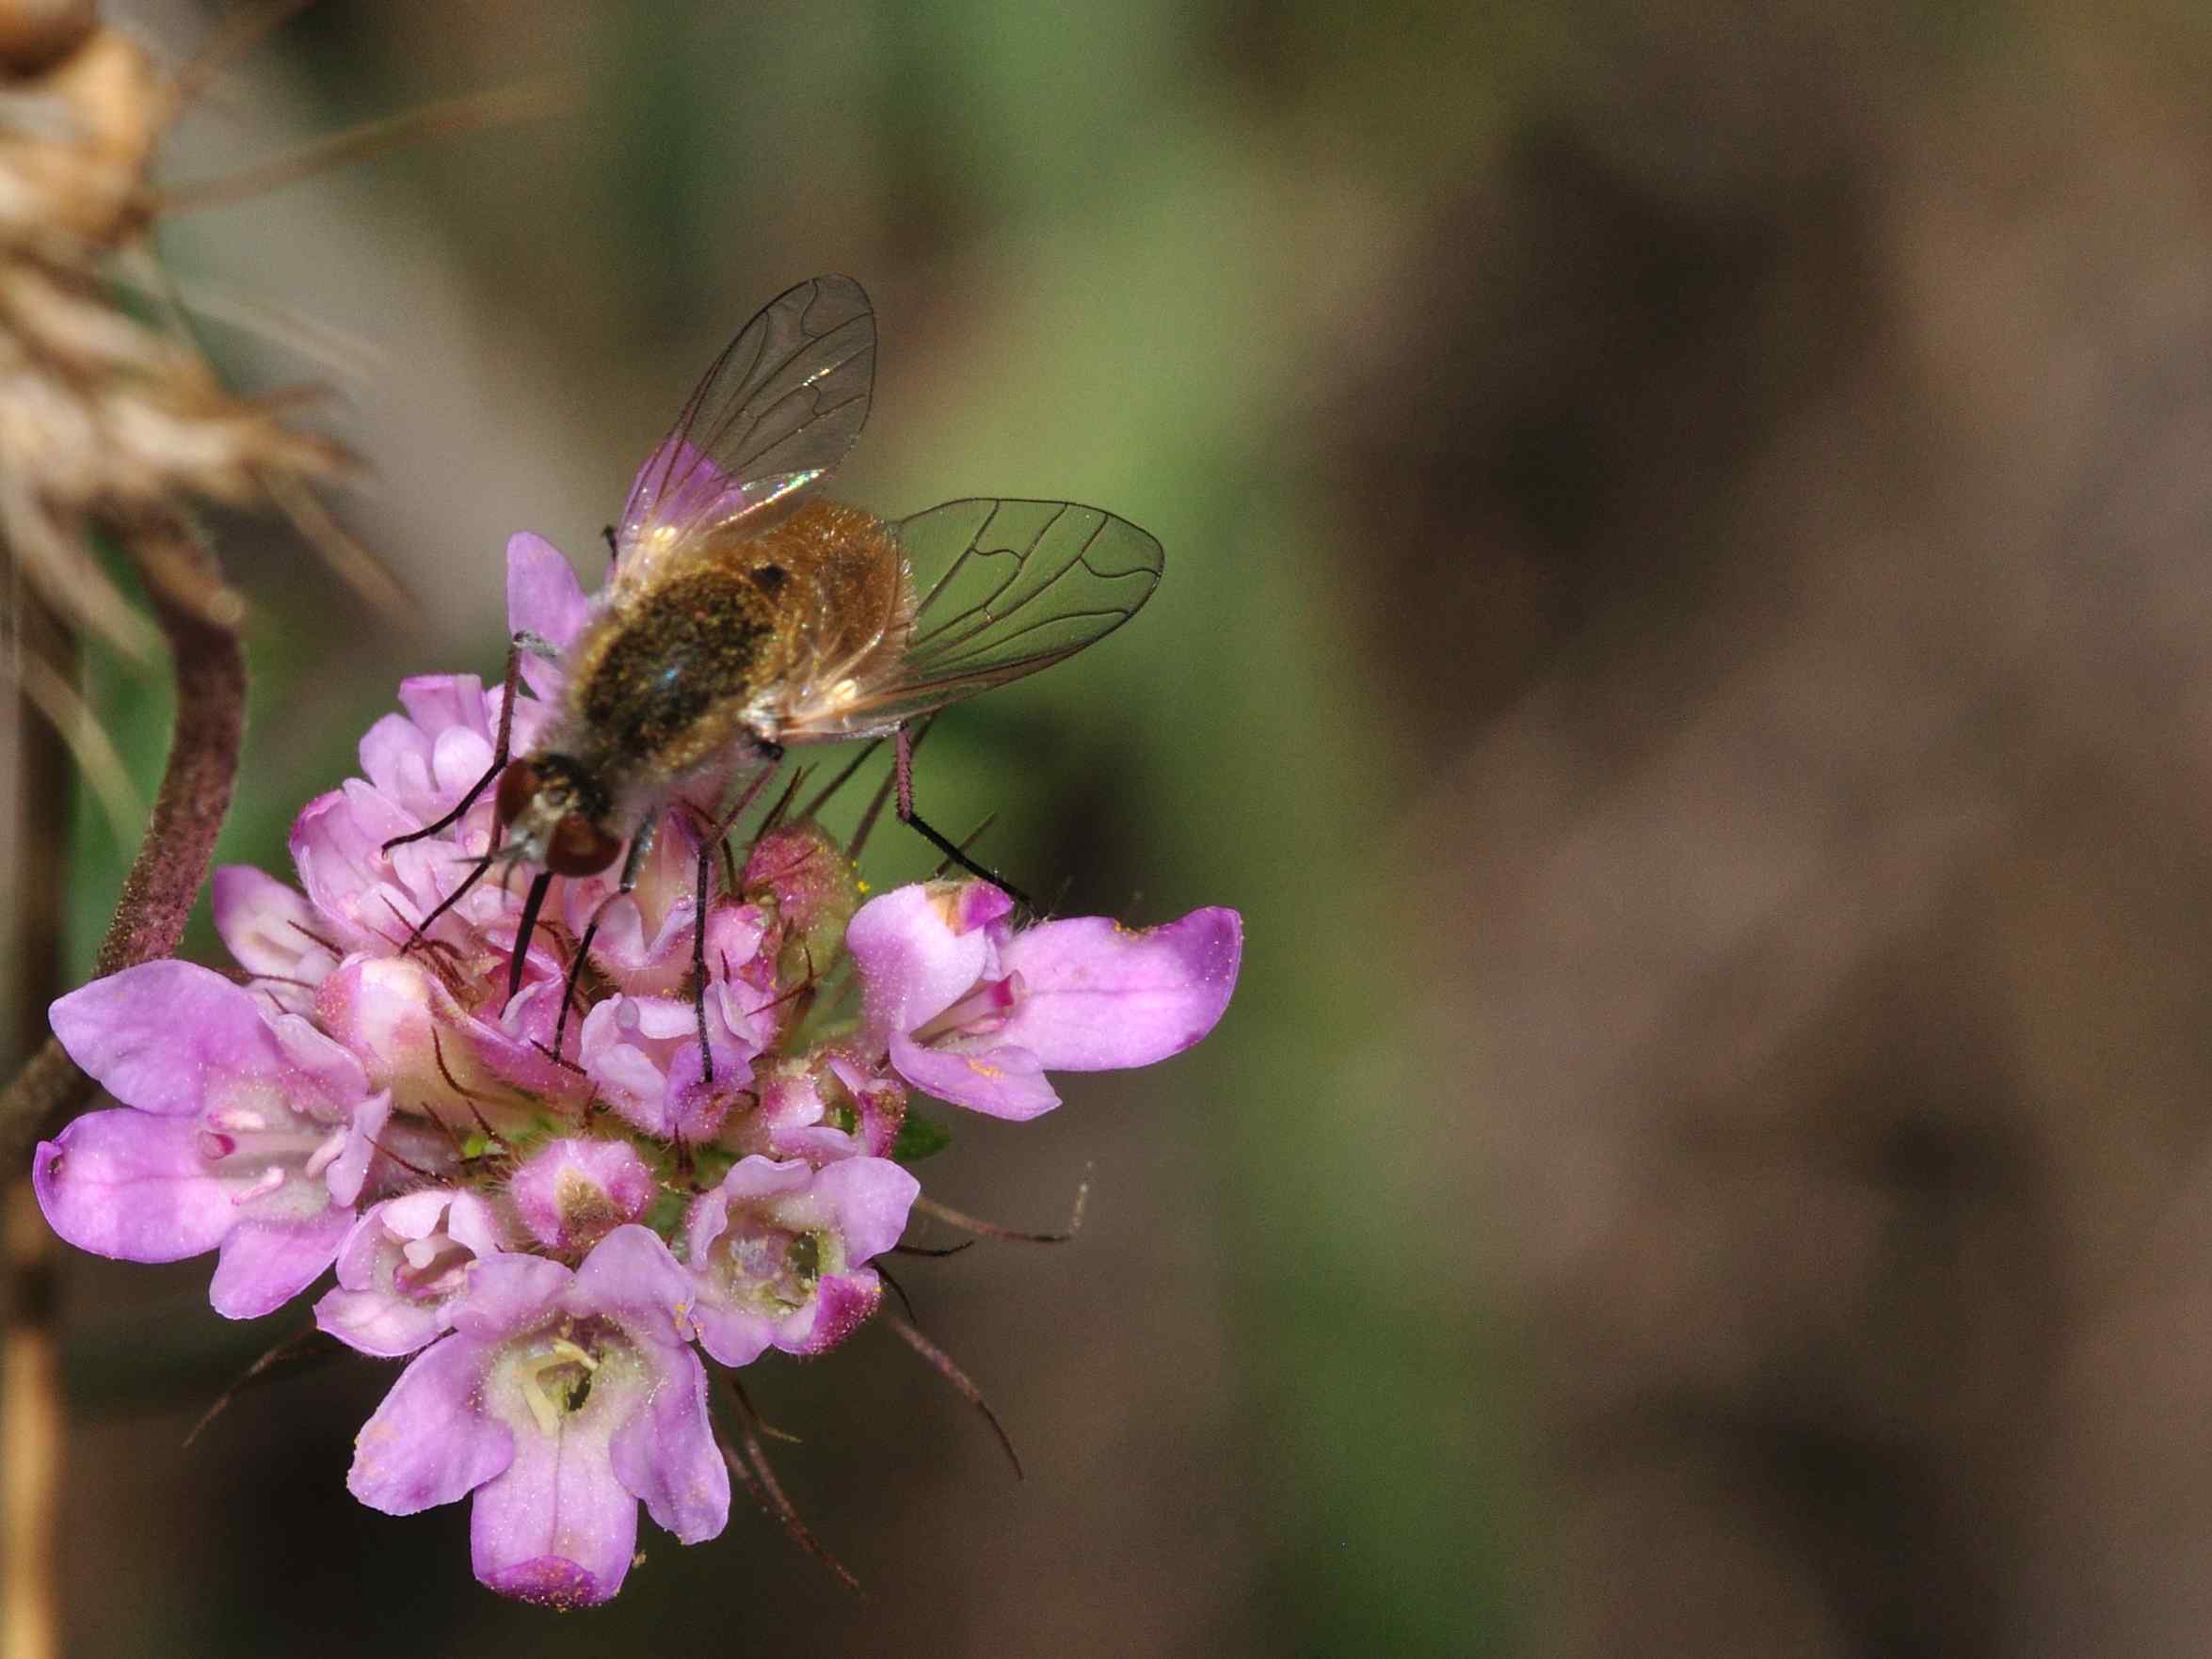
{"x": 35, "y": 34}
{"x": 102, "y": 417}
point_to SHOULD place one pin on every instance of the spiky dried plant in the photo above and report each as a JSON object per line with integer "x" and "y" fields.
{"x": 106, "y": 418}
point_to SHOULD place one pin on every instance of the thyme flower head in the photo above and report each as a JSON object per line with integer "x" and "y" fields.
{"x": 552, "y": 1211}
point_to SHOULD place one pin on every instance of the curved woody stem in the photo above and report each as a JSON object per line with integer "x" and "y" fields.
{"x": 200, "y": 618}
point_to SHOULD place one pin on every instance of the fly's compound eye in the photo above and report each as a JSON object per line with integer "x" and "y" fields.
{"x": 578, "y": 846}
{"x": 517, "y": 788}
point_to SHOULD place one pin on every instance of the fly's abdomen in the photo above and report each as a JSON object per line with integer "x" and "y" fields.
{"x": 666, "y": 684}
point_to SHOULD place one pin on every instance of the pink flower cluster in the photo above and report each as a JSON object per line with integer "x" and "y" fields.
{"x": 549, "y": 1232}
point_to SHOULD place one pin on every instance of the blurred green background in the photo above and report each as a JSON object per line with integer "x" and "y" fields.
{"x": 1685, "y": 636}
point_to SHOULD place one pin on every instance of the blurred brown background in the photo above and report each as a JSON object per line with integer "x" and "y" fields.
{"x": 1687, "y": 637}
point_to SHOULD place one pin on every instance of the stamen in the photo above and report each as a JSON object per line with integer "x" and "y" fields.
{"x": 260, "y": 1187}
{"x": 327, "y": 1152}
{"x": 983, "y": 1010}
{"x": 238, "y": 1119}
{"x": 569, "y": 1350}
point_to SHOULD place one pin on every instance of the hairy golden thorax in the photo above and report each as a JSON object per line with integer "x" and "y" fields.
{"x": 730, "y": 641}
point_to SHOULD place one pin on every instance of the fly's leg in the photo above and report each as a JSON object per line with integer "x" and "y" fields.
{"x": 902, "y": 777}
{"x": 715, "y": 834}
{"x": 515, "y": 646}
{"x": 699, "y": 953}
{"x": 641, "y": 844}
{"x": 454, "y": 898}
{"x": 531, "y": 906}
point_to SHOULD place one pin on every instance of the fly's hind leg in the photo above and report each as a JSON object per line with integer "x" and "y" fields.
{"x": 713, "y": 834}
{"x": 903, "y": 775}
{"x": 641, "y": 845}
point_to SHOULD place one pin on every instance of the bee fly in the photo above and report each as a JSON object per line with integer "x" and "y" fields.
{"x": 745, "y": 612}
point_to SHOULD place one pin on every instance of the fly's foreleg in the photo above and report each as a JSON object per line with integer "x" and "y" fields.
{"x": 509, "y": 681}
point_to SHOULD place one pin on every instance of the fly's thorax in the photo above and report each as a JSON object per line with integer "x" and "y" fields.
{"x": 725, "y": 639}
{"x": 664, "y": 681}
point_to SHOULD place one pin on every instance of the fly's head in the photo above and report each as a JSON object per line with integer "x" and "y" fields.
{"x": 554, "y": 813}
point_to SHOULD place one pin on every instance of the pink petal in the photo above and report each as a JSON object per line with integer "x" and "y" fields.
{"x": 321, "y": 1079}
{"x": 367, "y": 1311}
{"x": 385, "y": 1009}
{"x": 441, "y": 703}
{"x": 264, "y": 1265}
{"x": 630, "y": 1272}
{"x": 665, "y": 1454}
{"x": 507, "y": 1291}
{"x": 842, "y": 1304}
{"x": 150, "y": 1033}
{"x": 428, "y": 1445}
{"x": 126, "y": 1185}
{"x": 558, "y": 1527}
{"x": 570, "y": 1192}
{"x": 749, "y": 1178}
{"x": 349, "y": 1171}
{"x": 1004, "y": 1082}
{"x": 1096, "y": 996}
{"x": 394, "y": 756}
{"x": 913, "y": 964}
{"x": 373, "y": 1322}
{"x": 458, "y": 759}
{"x": 268, "y": 929}
{"x": 732, "y": 1337}
{"x": 545, "y": 598}
{"x": 869, "y": 1199}
{"x": 337, "y": 845}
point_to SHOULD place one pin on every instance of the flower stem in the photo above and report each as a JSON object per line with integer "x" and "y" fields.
{"x": 199, "y": 617}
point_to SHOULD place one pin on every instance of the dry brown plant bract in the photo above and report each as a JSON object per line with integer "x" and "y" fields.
{"x": 105, "y": 417}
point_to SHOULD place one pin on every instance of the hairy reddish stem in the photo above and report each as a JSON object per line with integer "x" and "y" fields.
{"x": 198, "y": 616}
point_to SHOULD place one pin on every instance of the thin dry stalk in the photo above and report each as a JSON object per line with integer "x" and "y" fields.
{"x": 33, "y": 1425}
{"x": 945, "y": 1366}
{"x": 968, "y": 1223}
{"x": 757, "y": 1477}
{"x": 31, "y": 1438}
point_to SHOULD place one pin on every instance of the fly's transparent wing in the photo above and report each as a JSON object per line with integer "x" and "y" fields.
{"x": 1003, "y": 588}
{"x": 775, "y": 415}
